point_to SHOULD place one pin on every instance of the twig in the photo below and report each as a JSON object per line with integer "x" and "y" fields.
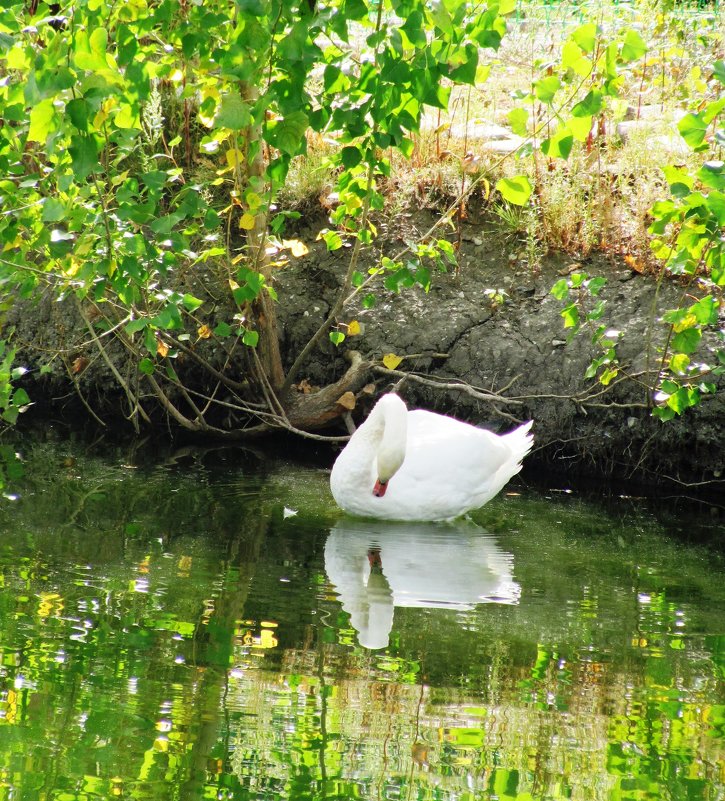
{"x": 457, "y": 386}
{"x": 136, "y": 408}
{"x": 89, "y": 409}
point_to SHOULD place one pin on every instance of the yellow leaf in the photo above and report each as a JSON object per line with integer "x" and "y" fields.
{"x": 15, "y": 243}
{"x": 254, "y": 201}
{"x": 486, "y": 188}
{"x": 391, "y": 361}
{"x": 689, "y": 321}
{"x": 103, "y": 112}
{"x": 353, "y": 328}
{"x": 73, "y": 266}
{"x": 203, "y": 331}
{"x": 235, "y": 158}
{"x": 247, "y": 221}
{"x": 208, "y": 119}
{"x": 162, "y": 348}
{"x": 296, "y": 247}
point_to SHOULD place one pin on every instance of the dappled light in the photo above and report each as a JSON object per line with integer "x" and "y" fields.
{"x": 199, "y": 623}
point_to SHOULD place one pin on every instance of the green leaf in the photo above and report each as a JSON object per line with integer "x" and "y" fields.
{"x": 355, "y": 9}
{"x": 43, "y": 120}
{"x": 250, "y": 338}
{"x": 337, "y": 337}
{"x": 288, "y": 134}
{"x": 571, "y": 315}
{"x": 692, "y": 128}
{"x": 586, "y": 37}
{"x": 590, "y": 106}
{"x": 712, "y": 174}
{"x": 680, "y": 181}
{"x": 716, "y": 205}
{"x": 546, "y": 88}
{"x": 136, "y": 325}
{"x": 718, "y": 71}
{"x": 252, "y": 7}
{"x": 580, "y": 127}
{"x": 634, "y": 46}
{"x": 441, "y": 17}
{"x": 332, "y": 239}
{"x": 560, "y": 290}
{"x": 687, "y": 341}
{"x": 20, "y": 397}
{"x": 10, "y": 415}
{"x": 663, "y": 413}
{"x": 706, "y": 310}
{"x": 84, "y": 155}
{"x": 350, "y": 156}
{"x": 572, "y": 58}
{"x": 448, "y": 251}
{"x": 146, "y": 366}
{"x": 518, "y": 119}
{"x": 679, "y": 363}
{"x": 77, "y": 111}
{"x": 190, "y": 302}
{"x": 413, "y": 29}
{"x": 222, "y": 330}
{"x": 53, "y": 210}
{"x": 233, "y": 113}
{"x": 558, "y": 146}
{"x": 515, "y": 190}
{"x": 466, "y": 72}
{"x": 712, "y": 110}
{"x": 682, "y": 399}
{"x": 149, "y": 340}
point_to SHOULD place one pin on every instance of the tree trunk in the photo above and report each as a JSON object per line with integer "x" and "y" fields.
{"x": 263, "y": 311}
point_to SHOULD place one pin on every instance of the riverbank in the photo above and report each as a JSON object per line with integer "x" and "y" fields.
{"x": 485, "y": 343}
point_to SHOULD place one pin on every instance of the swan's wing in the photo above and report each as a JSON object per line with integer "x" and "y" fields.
{"x": 442, "y": 445}
{"x": 449, "y": 467}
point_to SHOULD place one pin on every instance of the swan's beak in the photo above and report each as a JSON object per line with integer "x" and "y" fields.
{"x": 379, "y": 488}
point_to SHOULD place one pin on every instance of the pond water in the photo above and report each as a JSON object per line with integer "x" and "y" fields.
{"x": 205, "y": 624}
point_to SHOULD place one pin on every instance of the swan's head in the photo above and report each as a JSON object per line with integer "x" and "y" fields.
{"x": 389, "y": 462}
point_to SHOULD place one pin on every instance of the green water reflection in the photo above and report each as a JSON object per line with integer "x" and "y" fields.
{"x": 206, "y": 625}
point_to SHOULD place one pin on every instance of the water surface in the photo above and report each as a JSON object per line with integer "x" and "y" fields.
{"x": 205, "y": 624}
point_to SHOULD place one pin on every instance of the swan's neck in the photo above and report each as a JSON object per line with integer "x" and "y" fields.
{"x": 381, "y": 437}
{"x": 390, "y": 422}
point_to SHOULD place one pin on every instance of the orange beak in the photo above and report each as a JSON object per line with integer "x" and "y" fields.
{"x": 379, "y": 488}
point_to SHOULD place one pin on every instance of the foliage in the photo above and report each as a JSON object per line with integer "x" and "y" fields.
{"x": 146, "y": 146}
{"x": 687, "y": 239}
{"x": 13, "y": 400}
{"x": 143, "y": 181}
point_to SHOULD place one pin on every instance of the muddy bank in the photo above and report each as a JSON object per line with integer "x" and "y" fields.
{"x": 458, "y": 331}
{"x": 493, "y": 325}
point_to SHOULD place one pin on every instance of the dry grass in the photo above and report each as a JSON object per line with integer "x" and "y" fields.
{"x": 599, "y": 197}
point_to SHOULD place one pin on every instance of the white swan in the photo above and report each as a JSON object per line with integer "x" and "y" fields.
{"x": 419, "y": 465}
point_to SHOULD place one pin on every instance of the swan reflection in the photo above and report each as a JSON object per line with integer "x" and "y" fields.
{"x": 377, "y": 565}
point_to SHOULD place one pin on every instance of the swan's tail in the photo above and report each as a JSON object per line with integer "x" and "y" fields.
{"x": 520, "y": 440}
